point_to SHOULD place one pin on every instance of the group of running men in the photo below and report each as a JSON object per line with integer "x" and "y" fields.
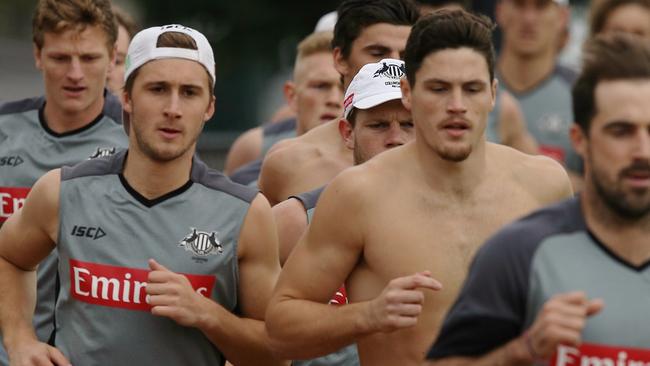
{"x": 398, "y": 235}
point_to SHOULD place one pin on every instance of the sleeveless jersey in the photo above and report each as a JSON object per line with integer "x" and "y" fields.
{"x": 274, "y": 132}
{"x": 29, "y": 149}
{"x": 549, "y": 252}
{"x": 549, "y": 115}
{"x": 108, "y": 231}
{"x": 348, "y": 355}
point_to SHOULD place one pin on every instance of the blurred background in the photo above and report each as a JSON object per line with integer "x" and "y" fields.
{"x": 254, "y": 43}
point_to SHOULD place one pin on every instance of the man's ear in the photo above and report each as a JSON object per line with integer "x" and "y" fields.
{"x": 347, "y": 133}
{"x": 579, "y": 140}
{"x": 37, "y": 57}
{"x": 289, "y": 90}
{"x": 340, "y": 63}
{"x": 210, "y": 111}
{"x": 406, "y": 93}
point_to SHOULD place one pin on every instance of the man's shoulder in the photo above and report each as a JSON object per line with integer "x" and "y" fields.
{"x": 540, "y": 174}
{"x": 21, "y": 106}
{"x": 215, "y": 180}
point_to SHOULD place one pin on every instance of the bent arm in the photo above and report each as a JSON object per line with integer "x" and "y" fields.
{"x": 25, "y": 239}
{"x": 291, "y": 222}
{"x": 300, "y": 323}
{"x": 243, "y": 339}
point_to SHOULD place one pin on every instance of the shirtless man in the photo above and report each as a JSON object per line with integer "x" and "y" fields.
{"x": 449, "y": 189}
{"x": 373, "y": 129}
{"x": 366, "y": 31}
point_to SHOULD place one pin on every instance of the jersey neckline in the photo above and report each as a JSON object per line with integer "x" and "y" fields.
{"x": 616, "y": 257}
{"x": 43, "y": 122}
{"x": 152, "y": 202}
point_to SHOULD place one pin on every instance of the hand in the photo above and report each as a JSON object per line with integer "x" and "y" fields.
{"x": 171, "y": 295}
{"x": 400, "y": 304}
{"x": 35, "y": 353}
{"x": 560, "y": 321}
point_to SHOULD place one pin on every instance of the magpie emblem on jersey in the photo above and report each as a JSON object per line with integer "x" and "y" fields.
{"x": 393, "y": 71}
{"x": 202, "y": 243}
{"x": 102, "y": 151}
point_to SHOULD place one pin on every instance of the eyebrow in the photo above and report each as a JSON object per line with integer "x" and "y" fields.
{"x": 443, "y": 81}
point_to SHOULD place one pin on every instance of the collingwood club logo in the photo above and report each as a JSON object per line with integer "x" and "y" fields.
{"x": 202, "y": 243}
{"x": 101, "y": 152}
{"x": 393, "y": 71}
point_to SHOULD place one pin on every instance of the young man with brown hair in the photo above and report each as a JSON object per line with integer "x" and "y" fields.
{"x": 399, "y": 227}
{"x": 75, "y": 120}
{"x": 629, "y": 16}
{"x": 158, "y": 254}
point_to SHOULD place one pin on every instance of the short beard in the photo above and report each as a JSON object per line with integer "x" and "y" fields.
{"x": 616, "y": 200}
{"x": 455, "y": 155}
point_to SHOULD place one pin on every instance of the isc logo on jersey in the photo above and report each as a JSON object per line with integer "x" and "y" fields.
{"x": 11, "y": 200}
{"x": 11, "y": 161}
{"x": 121, "y": 287}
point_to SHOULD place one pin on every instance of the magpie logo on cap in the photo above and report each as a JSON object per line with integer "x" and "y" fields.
{"x": 374, "y": 84}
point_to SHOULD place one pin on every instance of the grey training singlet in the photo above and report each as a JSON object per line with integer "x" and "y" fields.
{"x": 550, "y": 252}
{"x": 549, "y": 115}
{"x": 107, "y": 233}
{"x": 29, "y": 149}
{"x": 346, "y": 356}
{"x": 274, "y": 132}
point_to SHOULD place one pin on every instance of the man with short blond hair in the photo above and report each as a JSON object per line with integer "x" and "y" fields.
{"x": 75, "y": 120}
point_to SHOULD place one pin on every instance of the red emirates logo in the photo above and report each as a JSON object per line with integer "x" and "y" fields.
{"x": 11, "y": 200}
{"x": 121, "y": 287}
{"x": 596, "y": 354}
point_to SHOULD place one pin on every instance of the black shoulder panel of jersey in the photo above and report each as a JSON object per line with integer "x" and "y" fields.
{"x": 23, "y": 105}
{"x": 491, "y": 307}
{"x": 105, "y": 165}
{"x": 569, "y": 75}
{"x": 112, "y": 107}
{"x": 309, "y": 199}
{"x": 202, "y": 174}
{"x": 248, "y": 173}
{"x": 279, "y": 127}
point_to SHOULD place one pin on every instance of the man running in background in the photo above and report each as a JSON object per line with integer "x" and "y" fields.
{"x": 76, "y": 119}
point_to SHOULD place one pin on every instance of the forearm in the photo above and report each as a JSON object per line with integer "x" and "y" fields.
{"x": 301, "y": 329}
{"x": 18, "y": 289}
{"x": 513, "y": 353}
{"x": 242, "y": 340}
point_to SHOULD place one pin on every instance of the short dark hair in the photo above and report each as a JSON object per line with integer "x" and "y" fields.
{"x": 57, "y": 16}
{"x": 607, "y": 57}
{"x": 449, "y": 29}
{"x": 169, "y": 39}
{"x": 604, "y": 9}
{"x": 355, "y": 15}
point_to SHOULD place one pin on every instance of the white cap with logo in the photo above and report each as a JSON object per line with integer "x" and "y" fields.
{"x": 374, "y": 84}
{"x": 143, "y": 49}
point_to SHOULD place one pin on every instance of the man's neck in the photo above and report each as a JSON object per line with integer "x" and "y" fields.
{"x": 627, "y": 238}
{"x": 458, "y": 179}
{"x": 521, "y": 73}
{"x": 61, "y": 121}
{"x": 153, "y": 179}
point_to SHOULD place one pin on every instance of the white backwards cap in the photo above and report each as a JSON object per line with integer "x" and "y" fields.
{"x": 142, "y": 49}
{"x": 374, "y": 84}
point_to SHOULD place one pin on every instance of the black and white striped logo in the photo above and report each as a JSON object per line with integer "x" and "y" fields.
{"x": 393, "y": 71}
{"x": 202, "y": 243}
